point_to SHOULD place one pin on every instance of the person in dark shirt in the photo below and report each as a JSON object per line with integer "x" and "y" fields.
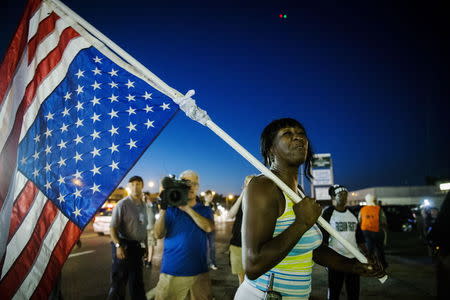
{"x": 439, "y": 237}
{"x": 236, "y": 239}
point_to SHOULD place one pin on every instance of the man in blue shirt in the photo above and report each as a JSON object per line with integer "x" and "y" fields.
{"x": 184, "y": 268}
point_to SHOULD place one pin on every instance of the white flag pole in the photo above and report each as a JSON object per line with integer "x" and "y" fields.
{"x": 187, "y": 104}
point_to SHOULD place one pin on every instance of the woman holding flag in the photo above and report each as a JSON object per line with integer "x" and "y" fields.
{"x": 278, "y": 236}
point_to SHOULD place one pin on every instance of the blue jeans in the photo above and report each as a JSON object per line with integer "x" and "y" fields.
{"x": 211, "y": 248}
{"x": 127, "y": 270}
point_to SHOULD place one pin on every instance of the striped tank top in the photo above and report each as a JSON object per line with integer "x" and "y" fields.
{"x": 293, "y": 273}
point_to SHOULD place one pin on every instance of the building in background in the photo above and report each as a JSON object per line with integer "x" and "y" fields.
{"x": 400, "y": 195}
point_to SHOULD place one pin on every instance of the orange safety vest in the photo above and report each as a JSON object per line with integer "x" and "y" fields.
{"x": 370, "y": 218}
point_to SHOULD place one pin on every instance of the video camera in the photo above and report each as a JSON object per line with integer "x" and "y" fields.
{"x": 175, "y": 192}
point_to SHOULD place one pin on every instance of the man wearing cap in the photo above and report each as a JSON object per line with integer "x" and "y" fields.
{"x": 373, "y": 225}
{"x": 346, "y": 223}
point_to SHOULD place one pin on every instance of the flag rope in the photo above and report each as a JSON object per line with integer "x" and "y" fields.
{"x": 187, "y": 104}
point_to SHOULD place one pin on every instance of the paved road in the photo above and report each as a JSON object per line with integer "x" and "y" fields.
{"x": 86, "y": 272}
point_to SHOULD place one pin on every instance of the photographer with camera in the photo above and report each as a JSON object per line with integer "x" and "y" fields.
{"x": 183, "y": 223}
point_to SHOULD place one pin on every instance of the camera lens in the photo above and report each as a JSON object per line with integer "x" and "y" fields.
{"x": 175, "y": 196}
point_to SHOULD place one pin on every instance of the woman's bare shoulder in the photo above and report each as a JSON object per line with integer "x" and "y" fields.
{"x": 264, "y": 189}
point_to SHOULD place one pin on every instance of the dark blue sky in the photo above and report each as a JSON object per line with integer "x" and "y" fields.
{"x": 368, "y": 81}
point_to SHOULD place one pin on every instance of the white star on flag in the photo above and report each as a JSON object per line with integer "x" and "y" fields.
{"x": 36, "y": 155}
{"x": 96, "y": 85}
{"x": 149, "y": 123}
{"x": 95, "y": 188}
{"x": 77, "y": 157}
{"x": 80, "y": 90}
{"x": 77, "y": 212}
{"x": 113, "y": 130}
{"x": 113, "y": 114}
{"x": 147, "y": 95}
{"x": 95, "y": 135}
{"x": 114, "y": 148}
{"x": 67, "y": 96}
{"x": 95, "y": 152}
{"x": 165, "y": 106}
{"x": 48, "y": 132}
{"x": 95, "y": 101}
{"x": 63, "y": 127}
{"x": 131, "y": 127}
{"x": 98, "y": 60}
{"x": 77, "y": 175}
{"x": 62, "y": 162}
{"x": 65, "y": 112}
{"x": 113, "y": 98}
{"x": 114, "y": 165}
{"x": 48, "y": 185}
{"x": 95, "y": 117}
{"x": 95, "y": 170}
{"x": 79, "y": 106}
{"x": 130, "y": 83}
{"x": 78, "y": 139}
{"x": 79, "y": 74}
{"x": 79, "y": 122}
{"x": 131, "y": 111}
{"x": 48, "y": 149}
{"x": 49, "y": 116}
{"x": 130, "y": 97}
{"x": 113, "y": 85}
{"x": 77, "y": 193}
{"x": 97, "y": 71}
{"x": 113, "y": 72}
{"x": 132, "y": 143}
{"x": 61, "y": 180}
{"x": 61, "y": 198}
{"x": 148, "y": 108}
{"x": 62, "y": 144}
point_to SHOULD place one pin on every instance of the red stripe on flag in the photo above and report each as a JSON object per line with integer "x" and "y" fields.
{"x": 15, "y": 49}
{"x": 45, "y": 27}
{"x": 69, "y": 237}
{"x": 24, "y": 262}
{"x": 8, "y": 155}
{"x": 21, "y": 207}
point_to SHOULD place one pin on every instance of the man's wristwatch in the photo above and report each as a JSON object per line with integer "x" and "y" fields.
{"x": 117, "y": 245}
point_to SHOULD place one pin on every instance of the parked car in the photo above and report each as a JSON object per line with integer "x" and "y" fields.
{"x": 102, "y": 220}
{"x": 400, "y": 217}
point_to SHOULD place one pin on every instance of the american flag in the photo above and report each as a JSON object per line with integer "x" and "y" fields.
{"x": 72, "y": 123}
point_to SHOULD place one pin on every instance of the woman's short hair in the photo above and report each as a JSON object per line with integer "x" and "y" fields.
{"x": 268, "y": 135}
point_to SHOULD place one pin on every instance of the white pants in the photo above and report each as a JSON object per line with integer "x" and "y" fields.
{"x": 247, "y": 292}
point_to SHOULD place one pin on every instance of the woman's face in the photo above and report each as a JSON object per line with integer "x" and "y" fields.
{"x": 290, "y": 145}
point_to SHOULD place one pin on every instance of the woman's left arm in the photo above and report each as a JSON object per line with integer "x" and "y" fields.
{"x": 327, "y": 257}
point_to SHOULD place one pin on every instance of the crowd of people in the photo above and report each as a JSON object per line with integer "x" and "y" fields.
{"x": 275, "y": 241}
